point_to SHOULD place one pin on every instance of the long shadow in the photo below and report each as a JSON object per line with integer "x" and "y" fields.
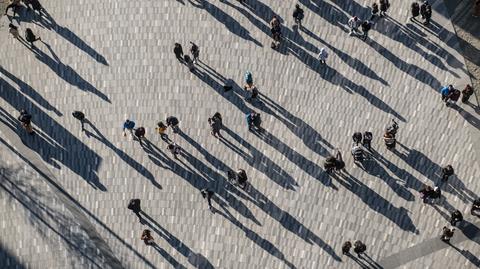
{"x": 65, "y": 72}
{"x": 469, "y": 256}
{"x": 26, "y": 89}
{"x": 46, "y": 20}
{"x": 203, "y": 177}
{"x": 120, "y": 153}
{"x": 44, "y": 217}
{"x": 9, "y": 259}
{"x": 77, "y": 209}
{"x": 288, "y": 221}
{"x": 66, "y": 148}
{"x": 330, "y": 13}
{"x": 168, "y": 257}
{"x": 376, "y": 202}
{"x": 257, "y": 239}
{"x": 195, "y": 259}
{"x": 474, "y": 121}
{"x": 260, "y": 162}
{"x": 230, "y": 23}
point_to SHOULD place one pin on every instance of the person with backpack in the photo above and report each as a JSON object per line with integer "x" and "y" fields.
{"x": 456, "y": 217}
{"x": 134, "y": 205}
{"x": 81, "y": 117}
{"x": 147, "y": 237}
{"x": 466, "y": 93}
{"x": 375, "y": 10}
{"x": 30, "y": 37}
{"x": 161, "y": 129}
{"x": 354, "y": 22}
{"x": 415, "y": 10}
{"x": 178, "y": 51}
{"x": 453, "y": 97}
{"x": 366, "y": 26}
{"x": 445, "y": 91}
{"x": 323, "y": 55}
{"x": 26, "y": 119}
{"x": 298, "y": 15}
{"x": 174, "y": 149}
{"x": 140, "y": 135}
{"x": 447, "y": 171}
{"x": 128, "y": 125}
{"x": 216, "y": 125}
{"x": 173, "y": 123}
{"x": 208, "y": 194}
{"x": 195, "y": 52}
{"x": 384, "y": 5}
{"x": 446, "y": 234}
{"x": 13, "y": 30}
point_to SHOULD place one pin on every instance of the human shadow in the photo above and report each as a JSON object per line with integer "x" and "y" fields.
{"x": 474, "y": 121}
{"x": 195, "y": 259}
{"x": 470, "y": 230}
{"x": 397, "y": 215}
{"x": 358, "y": 261}
{"x": 230, "y": 23}
{"x": 26, "y": 89}
{"x": 443, "y": 207}
{"x": 9, "y": 120}
{"x": 9, "y": 259}
{"x": 330, "y": 13}
{"x": 256, "y": 238}
{"x": 168, "y": 257}
{"x": 373, "y": 264}
{"x": 120, "y": 153}
{"x": 468, "y": 255}
{"x": 65, "y": 72}
{"x": 54, "y": 142}
{"x": 259, "y": 161}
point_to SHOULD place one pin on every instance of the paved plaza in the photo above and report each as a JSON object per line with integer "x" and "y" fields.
{"x": 64, "y": 193}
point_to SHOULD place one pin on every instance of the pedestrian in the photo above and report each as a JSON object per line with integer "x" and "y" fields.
{"x": 298, "y": 15}
{"x": 476, "y": 9}
{"x": 30, "y": 37}
{"x": 251, "y": 92}
{"x": 354, "y": 22}
{"x": 174, "y": 149}
{"x": 436, "y": 194}
{"x": 248, "y": 78}
{"x": 254, "y": 121}
{"x": 375, "y": 10}
{"x": 242, "y": 178}
{"x": 447, "y": 234}
{"x": 346, "y": 248}
{"x": 161, "y": 129}
{"x": 128, "y": 125}
{"x": 140, "y": 134}
{"x": 384, "y": 5}
{"x": 134, "y": 205}
{"x": 81, "y": 117}
{"x": 456, "y": 217}
{"x": 147, "y": 237}
{"x": 389, "y": 140}
{"x": 367, "y": 140}
{"x": 329, "y": 164}
{"x": 445, "y": 91}
{"x": 466, "y": 93}
{"x": 453, "y": 97}
{"x": 447, "y": 171}
{"x": 275, "y": 25}
{"x": 15, "y": 5}
{"x": 12, "y": 29}
{"x": 475, "y": 207}
{"x": 189, "y": 63}
{"x": 415, "y": 10}
{"x": 323, "y": 55}
{"x": 208, "y": 194}
{"x": 26, "y": 119}
{"x": 359, "y": 247}
{"x": 425, "y": 193}
{"x": 339, "y": 163}
{"x": 426, "y": 12}
{"x": 173, "y": 123}
{"x": 195, "y": 52}
{"x": 216, "y": 124}
{"x": 366, "y": 26}
{"x": 178, "y": 51}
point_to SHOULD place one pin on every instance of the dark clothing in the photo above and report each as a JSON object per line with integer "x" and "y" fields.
{"x": 447, "y": 171}
{"x": 476, "y": 208}
{"x": 208, "y": 194}
{"x": 466, "y": 93}
{"x": 446, "y": 234}
{"x": 140, "y": 133}
{"x": 456, "y": 217}
{"x": 298, "y": 15}
{"x": 172, "y": 121}
{"x": 384, "y": 4}
{"x": 25, "y": 118}
{"x": 415, "y": 9}
{"x": 359, "y": 247}
{"x": 346, "y": 247}
{"x": 134, "y": 205}
{"x": 178, "y": 51}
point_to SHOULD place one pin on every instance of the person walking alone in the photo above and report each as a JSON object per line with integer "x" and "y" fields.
{"x": 366, "y": 26}
{"x": 323, "y": 55}
{"x": 30, "y": 37}
{"x": 447, "y": 234}
{"x": 195, "y": 52}
{"x": 216, "y": 124}
{"x": 466, "y": 93}
{"x": 208, "y": 194}
{"x": 354, "y": 22}
{"x": 456, "y": 217}
{"x": 178, "y": 51}
{"x": 384, "y": 5}
{"x": 298, "y": 15}
{"x": 140, "y": 134}
{"x": 147, "y": 237}
{"x": 128, "y": 125}
{"x": 81, "y": 117}
{"x": 447, "y": 171}
{"x": 134, "y": 205}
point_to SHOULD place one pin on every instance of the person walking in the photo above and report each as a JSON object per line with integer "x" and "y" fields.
{"x": 346, "y": 248}
{"x": 384, "y": 5}
{"x": 426, "y": 12}
{"x": 174, "y": 149}
{"x": 447, "y": 171}
{"x": 456, "y": 217}
{"x": 375, "y": 10}
{"x": 447, "y": 234}
{"x": 389, "y": 140}
{"x": 26, "y": 119}
{"x": 216, "y": 124}
{"x": 475, "y": 211}
{"x": 147, "y": 237}
{"x": 466, "y": 93}
{"x": 140, "y": 134}
{"x": 178, "y": 51}
{"x": 298, "y": 15}
{"x": 208, "y": 194}
{"x": 359, "y": 247}
{"x": 425, "y": 193}
{"x": 81, "y": 117}
{"x": 134, "y": 205}
{"x": 161, "y": 129}
{"x": 30, "y": 37}
{"x": 13, "y": 30}
{"x": 254, "y": 121}
{"x": 415, "y": 10}
{"x": 173, "y": 123}
{"x": 128, "y": 125}
{"x": 354, "y": 22}
{"x": 366, "y": 26}
{"x": 436, "y": 194}
{"x": 195, "y": 52}
{"x": 445, "y": 91}
{"x": 189, "y": 63}
{"x": 453, "y": 97}
{"x": 323, "y": 55}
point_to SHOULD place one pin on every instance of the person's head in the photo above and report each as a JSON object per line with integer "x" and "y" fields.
{"x": 161, "y": 125}
{"x": 127, "y": 121}
{"x": 12, "y": 26}
{"x": 297, "y": 6}
{"x": 355, "y": 18}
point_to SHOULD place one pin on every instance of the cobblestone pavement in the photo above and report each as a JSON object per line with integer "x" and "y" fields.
{"x": 64, "y": 192}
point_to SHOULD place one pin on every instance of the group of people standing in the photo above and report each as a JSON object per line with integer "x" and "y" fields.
{"x": 450, "y": 95}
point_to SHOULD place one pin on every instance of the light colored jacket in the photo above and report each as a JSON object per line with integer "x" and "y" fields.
{"x": 354, "y": 23}
{"x": 323, "y": 55}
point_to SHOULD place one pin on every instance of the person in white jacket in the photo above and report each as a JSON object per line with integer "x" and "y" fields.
{"x": 354, "y": 23}
{"x": 323, "y": 55}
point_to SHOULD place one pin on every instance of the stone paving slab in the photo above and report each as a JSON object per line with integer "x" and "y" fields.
{"x": 115, "y": 61}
